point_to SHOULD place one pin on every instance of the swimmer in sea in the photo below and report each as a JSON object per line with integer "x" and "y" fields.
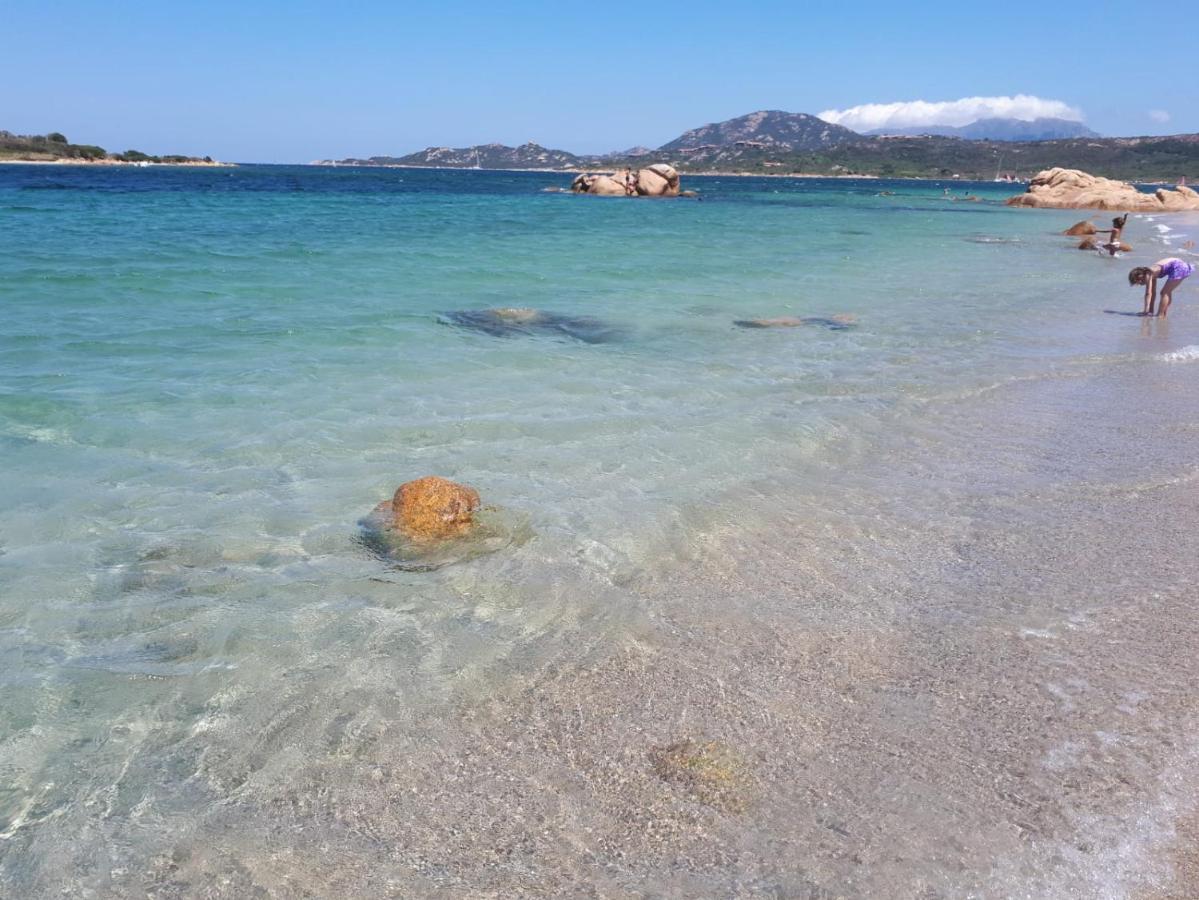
{"x": 1114, "y": 233}
{"x": 1173, "y": 270}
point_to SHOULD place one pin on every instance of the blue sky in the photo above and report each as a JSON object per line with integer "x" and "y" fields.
{"x": 290, "y": 82}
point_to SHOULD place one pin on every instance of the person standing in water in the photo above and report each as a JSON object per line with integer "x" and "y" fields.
{"x": 1114, "y": 234}
{"x": 1173, "y": 270}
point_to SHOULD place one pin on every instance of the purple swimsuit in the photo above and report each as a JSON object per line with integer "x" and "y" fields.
{"x": 1176, "y": 269}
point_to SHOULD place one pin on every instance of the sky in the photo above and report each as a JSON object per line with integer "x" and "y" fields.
{"x": 267, "y": 81}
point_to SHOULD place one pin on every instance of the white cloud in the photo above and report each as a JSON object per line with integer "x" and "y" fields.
{"x": 1159, "y": 115}
{"x": 917, "y": 113}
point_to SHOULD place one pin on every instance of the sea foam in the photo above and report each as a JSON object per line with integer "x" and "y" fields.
{"x": 1190, "y": 353}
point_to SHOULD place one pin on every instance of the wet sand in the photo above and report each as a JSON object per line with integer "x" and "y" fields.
{"x": 957, "y": 662}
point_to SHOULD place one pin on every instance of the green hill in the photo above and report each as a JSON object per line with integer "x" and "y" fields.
{"x": 1129, "y": 159}
{"x": 54, "y": 147}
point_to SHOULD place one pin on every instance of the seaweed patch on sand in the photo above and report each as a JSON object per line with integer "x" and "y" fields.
{"x": 710, "y": 771}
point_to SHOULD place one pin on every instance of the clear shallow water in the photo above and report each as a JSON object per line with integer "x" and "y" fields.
{"x": 208, "y": 377}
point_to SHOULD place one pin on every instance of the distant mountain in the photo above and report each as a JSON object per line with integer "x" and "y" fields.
{"x": 484, "y": 156}
{"x": 767, "y": 128}
{"x": 631, "y": 153}
{"x": 780, "y": 143}
{"x": 1000, "y": 130}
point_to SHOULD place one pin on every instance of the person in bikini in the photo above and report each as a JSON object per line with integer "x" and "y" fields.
{"x": 1173, "y": 270}
{"x": 1114, "y": 234}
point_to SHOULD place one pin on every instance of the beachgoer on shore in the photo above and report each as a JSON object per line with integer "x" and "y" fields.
{"x": 1114, "y": 234}
{"x": 630, "y": 182}
{"x": 1173, "y": 270}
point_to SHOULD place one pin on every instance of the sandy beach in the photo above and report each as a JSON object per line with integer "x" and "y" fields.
{"x": 198, "y": 163}
{"x": 887, "y": 741}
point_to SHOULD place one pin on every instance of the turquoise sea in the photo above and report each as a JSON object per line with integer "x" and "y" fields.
{"x": 803, "y": 542}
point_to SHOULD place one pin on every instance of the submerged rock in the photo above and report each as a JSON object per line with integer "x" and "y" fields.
{"x": 437, "y": 523}
{"x": 430, "y": 509}
{"x": 1090, "y": 243}
{"x": 991, "y": 239}
{"x": 838, "y": 322}
{"x": 710, "y": 771}
{"x": 1073, "y": 189}
{"x": 510, "y": 321}
{"x": 520, "y": 315}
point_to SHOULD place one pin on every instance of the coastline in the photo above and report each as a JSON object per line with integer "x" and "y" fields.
{"x": 328, "y": 165}
{"x": 199, "y": 163}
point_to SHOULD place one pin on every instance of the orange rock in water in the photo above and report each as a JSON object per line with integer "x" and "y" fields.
{"x": 1080, "y": 228}
{"x": 432, "y": 508}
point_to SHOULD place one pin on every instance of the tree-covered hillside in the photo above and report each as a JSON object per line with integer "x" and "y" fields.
{"x": 55, "y": 146}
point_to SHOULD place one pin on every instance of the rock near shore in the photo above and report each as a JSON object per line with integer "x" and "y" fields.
{"x": 1072, "y": 189}
{"x": 430, "y": 509}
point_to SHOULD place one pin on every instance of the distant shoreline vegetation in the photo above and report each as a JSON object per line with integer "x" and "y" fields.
{"x": 773, "y": 142}
{"x": 54, "y": 147}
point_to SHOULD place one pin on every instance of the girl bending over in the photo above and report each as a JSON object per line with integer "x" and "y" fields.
{"x": 1172, "y": 269}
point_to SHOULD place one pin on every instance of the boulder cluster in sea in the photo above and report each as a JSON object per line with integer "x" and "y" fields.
{"x": 1059, "y": 188}
{"x": 658, "y": 180}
